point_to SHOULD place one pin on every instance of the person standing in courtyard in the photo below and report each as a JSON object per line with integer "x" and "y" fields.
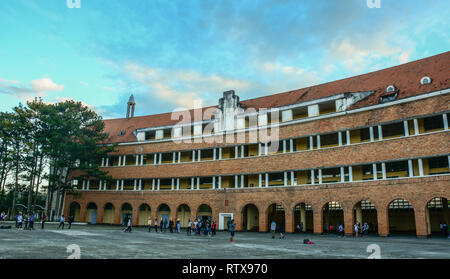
{"x": 232, "y": 230}
{"x": 366, "y": 229}
{"x": 70, "y": 220}
{"x": 188, "y": 229}
{"x": 161, "y": 225}
{"x": 31, "y": 220}
{"x": 213, "y": 228}
{"x": 171, "y": 226}
{"x": 178, "y": 226}
{"x": 149, "y": 223}
{"x": 195, "y": 227}
{"x": 128, "y": 229}
{"x": 61, "y": 222}
{"x": 273, "y": 227}
{"x": 356, "y": 228}
{"x": 43, "y": 219}
{"x": 282, "y": 229}
{"x": 19, "y": 221}
{"x": 156, "y": 224}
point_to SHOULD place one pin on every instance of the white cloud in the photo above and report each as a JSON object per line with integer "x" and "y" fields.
{"x": 40, "y": 86}
{"x": 182, "y": 87}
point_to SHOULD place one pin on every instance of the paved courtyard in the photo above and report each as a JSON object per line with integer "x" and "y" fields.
{"x": 109, "y": 242}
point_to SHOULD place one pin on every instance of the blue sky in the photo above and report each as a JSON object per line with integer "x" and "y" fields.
{"x": 170, "y": 53}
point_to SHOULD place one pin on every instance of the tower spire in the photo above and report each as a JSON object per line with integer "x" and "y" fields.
{"x": 130, "y": 107}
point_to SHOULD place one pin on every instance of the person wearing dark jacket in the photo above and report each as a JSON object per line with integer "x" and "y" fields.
{"x": 282, "y": 229}
{"x": 171, "y": 226}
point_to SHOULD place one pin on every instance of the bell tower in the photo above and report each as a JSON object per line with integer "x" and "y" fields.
{"x": 130, "y": 107}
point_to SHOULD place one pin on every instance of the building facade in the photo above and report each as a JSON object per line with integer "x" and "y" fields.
{"x": 371, "y": 148}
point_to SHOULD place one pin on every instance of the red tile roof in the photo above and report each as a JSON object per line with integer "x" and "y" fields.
{"x": 405, "y": 78}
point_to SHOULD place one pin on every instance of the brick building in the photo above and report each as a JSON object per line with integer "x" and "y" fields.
{"x": 371, "y": 148}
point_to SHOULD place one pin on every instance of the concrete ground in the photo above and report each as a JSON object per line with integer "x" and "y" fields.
{"x": 110, "y": 242}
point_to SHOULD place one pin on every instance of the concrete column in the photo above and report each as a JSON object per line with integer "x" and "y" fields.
{"x": 267, "y": 180}
{"x": 371, "y": 133}
{"x": 266, "y": 149}
{"x": 342, "y": 174}
{"x": 140, "y": 184}
{"x": 83, "y": 185}
{"x": 174, "y": 157}
{"x": 416, "y": 126}
{"x": 285, "y": 179}
{"x": 193, "y": 155}
{"x": 383, "y": 221}
{"x": 380, "y": 133}
{"x": 178, "y": 184}
{"x": 117, "y": 185}
{"x": 311, "y": 143}
{"x": 103, "y": 162}
{"x": 236, "y": 181}
{"x": 242, "y": 181}
{"x": 242, "y": 151}
{"x": 359, "y": 213}
{"x": 214, "y": 154}
{"x": 214, "y": 182}
{"x": 88, "y": 184}
{"x": 124, "y": 160}
{"x": 420, "y": 167}
{"x": 444, "y": 116}
{"x": 259, "y": 149}
{"x": 236, "y": 153}
{"x": 340, "y": 138}
{"x": 312, "y": 177}
{"x": 284, "y": 146}
{"x": 192, "y": 183}
{"x": 347, "y": 135}
{"x": 155, "y": 158}
{"x": 179, "y": 157}
{"x": 160, "y": 158}
{"x": 292, "y": 179}
{"x": 220, "y": 182}
{"x": 410, "y": 168}
{"x": 320, "y": 176}
{"x": 120, "y": 161}
{"x": 374, "y": 170}
{"x": 153, "y": 184}
{"x": 198, "y": 183}
{"x": 107, "y": 161}
{"x": 448, "y": 158}
{"x": 260, "y": 180}
{"x": 158, "y": 185}
{"x": 291, "y": 145}
{"x": 350, "y": 174}
{"x": 172, "y": 184}
{"x": 142, "y": 160}
{"x": 303, "y": 216}
{"x": 137, "y": 160}
{"x": 135, "y": 185}
{"x": 383, "y": 170}
{"x": 406, "y": 128}
{"x": 199, "y": 155}
{"x": 220, "y": 153}
{"x": 318, "y": 141}
{"x": 121, "y": 185}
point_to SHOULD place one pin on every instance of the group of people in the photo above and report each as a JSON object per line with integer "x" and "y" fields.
{"x": 281, "y": 229}
{"x": 28, "y": 219}
{"x": 444, "y": 229}
{"x": 364, "y": 229}
{"x": 199, "y": 226}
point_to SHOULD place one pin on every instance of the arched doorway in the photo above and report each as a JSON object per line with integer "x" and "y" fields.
{"x": 333, "y": 216}
{"x": 74, "y": 210}
{"x": 365, "y": 212}
{"x": 303, "y": 218}
{"x": 437, "y": 213}
{"x": 184, "y": 215}
{"x": 108, "y": 213}
{"x": 204, "y": 212}
{"x": 91, "y": 213}
{"x": 126, "y": 212}
{"x": 164, "y": 213}
{"x": 250, "y": 218}
{"x": 275, "y": 212}
{"x": 401, "y": 217}
{"x": 144, "y": 214}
